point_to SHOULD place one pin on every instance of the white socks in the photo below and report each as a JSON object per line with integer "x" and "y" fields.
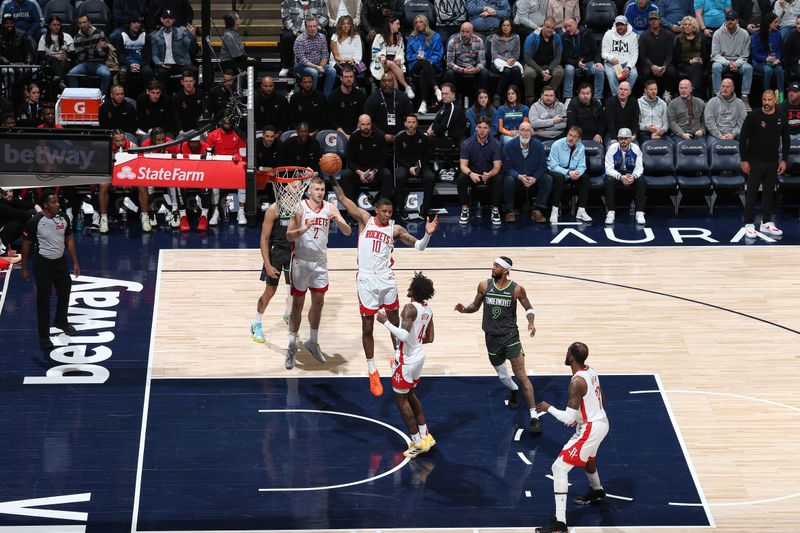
{"x": 594, "y": 480}
{"x": 423, "y": 430}
{"x": 312, "y": 336}
{"x": 258, "y": 315}
{"x": 416, "y": 439}
{"x": 533, "y": 412}
{"x": 561, "y": 508}
{"x": 371, "y": 366}
{"x": 293, "y": 339}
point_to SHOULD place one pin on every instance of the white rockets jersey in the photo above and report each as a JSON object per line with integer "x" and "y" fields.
{"x": 592, "y": 402}
{"x": 313, "y": 244}
{"x": 411, "y": 350}
{"x": 375, "y": 246}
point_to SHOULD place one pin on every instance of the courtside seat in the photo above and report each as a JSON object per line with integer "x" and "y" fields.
{"x": 595, "y": 163}
{"x": 332, "y": 142}
{"x": 600, "y": 16}
{"x": 725, "y": 169}
{"x": 691, "y": 169}
{"x": 659, "y": 167}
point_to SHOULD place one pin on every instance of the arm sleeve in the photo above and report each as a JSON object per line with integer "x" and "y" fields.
{"x": 567, "y": 417}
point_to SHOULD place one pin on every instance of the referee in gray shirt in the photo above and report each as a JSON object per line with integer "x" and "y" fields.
{"x": 49, "y": 234}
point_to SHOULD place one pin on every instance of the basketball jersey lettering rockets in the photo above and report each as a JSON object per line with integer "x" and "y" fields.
{"x": 375, "y": 246}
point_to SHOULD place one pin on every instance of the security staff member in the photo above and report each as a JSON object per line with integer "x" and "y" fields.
{"x": 49, "y": 234}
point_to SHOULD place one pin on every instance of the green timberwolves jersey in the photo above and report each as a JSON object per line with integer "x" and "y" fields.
{"x": 499, "y": 311}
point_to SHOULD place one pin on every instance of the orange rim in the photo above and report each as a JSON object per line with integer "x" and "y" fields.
{"x": 288, "y": 174}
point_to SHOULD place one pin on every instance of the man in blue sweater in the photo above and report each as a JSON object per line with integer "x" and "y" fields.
{"x": 27, "y": 16}
{"x": 637, "y": 14}
{"x": 526, "y": 168}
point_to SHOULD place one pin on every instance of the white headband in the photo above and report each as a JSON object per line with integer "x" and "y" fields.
{"x": 503, "y": 263}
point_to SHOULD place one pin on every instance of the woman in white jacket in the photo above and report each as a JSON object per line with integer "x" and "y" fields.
{"x": 389, "y": 55}
{"x": 620, "y": 52}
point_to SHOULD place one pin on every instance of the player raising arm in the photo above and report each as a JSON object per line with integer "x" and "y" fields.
{"x": 308, "y": 230}
{"x": 377, "y": 287}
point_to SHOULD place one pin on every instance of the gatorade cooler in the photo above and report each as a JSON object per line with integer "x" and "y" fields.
{"x": 79, "y": 106}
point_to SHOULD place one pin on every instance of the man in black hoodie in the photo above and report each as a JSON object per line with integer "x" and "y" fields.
{"x": 308, "y": 105}
{"x": 366, "y": 161}
{"x": 153, "y": 109}
{"x": 622, "y": 111}
{"x": 587, "y": 113}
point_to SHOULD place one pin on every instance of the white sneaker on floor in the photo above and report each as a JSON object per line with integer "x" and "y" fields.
{"x": 496, "y": 216}
{"x": 463, "y": 219}
{"x": 582, "y": 215}
{"x": 315, "y": 350}
{"x": 283, "y": 73}
{"x": 423, "y": 108}
{"x": 153, "y": 220}
{"x": 410, "y": 92}
{"x": 214, "y": 220}
{"x": 438, "y": 92}
{"x": 770, "y": 229}
{"x": 640, "y": 217}
{"x": 610, "y": 217}
{"x": 175, "y": 221}
{"x": 103, "y": 225}
{"x": 750, "y": 231}
{"x": 146, "y": 226}
{"x": 241, "y": 218}
{"x": 554, "y": 215}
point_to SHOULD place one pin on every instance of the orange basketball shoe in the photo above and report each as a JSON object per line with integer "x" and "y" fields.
{"x": 375, "y": 383}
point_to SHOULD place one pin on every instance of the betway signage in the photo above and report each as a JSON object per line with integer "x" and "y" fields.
{"x": 54, "y": 152}
{"x": 168, "y": 170}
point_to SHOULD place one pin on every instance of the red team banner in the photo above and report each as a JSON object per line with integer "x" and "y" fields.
{"x": 187, "y": 172}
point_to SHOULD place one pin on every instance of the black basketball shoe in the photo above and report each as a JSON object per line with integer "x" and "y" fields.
{"x": 553, "y": 527}
{"x": 535, "y": 429}
{"x": 513, "y": 402}
{"x": 591, "y": 497}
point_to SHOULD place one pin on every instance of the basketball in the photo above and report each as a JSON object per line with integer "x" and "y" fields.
{"x": 330, "y": 164}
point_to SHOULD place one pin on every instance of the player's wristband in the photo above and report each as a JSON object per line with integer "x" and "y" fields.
{"x": 529, "y": 312}
{"x": 422, "y": 243}
{"x": 567, "y": 417}
{"x": 399, "y": 333}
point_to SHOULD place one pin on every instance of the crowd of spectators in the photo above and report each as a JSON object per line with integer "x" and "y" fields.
{"x": 494, "y": 86}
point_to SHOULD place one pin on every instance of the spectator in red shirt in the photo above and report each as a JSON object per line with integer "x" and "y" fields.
{"x": 49, "y": 119}
{"x": 225, "y": 141}
{"x": 194, "y": 146}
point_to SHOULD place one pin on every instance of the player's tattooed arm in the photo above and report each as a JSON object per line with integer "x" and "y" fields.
{"x": 352, "y": 209}
{"x": 522, "y": 297}
{"x": 577, "y": 389}
{"x": 476, "y": 303}
{"x": 402, "y": 235}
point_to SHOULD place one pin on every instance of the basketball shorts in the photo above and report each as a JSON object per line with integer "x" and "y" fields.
{"x": 375, "y": 293}
{"x": 308, "y": 275}
{"x": 280, "y": 259}
{"x": 584, "y": 443}
{"x": 502, "y": 347}
{"x": 406, "y": 375}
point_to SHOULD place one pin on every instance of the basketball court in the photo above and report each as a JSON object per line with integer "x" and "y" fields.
{"x": 177, "y": 421}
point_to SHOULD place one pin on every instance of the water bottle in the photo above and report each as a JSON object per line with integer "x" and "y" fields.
{"x": 479, "y": 210}
{"x": 79, "y": 221}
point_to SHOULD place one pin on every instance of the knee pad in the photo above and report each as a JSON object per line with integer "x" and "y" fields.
{"x": 502, "y": 371}
{"x": 560, "y": 473}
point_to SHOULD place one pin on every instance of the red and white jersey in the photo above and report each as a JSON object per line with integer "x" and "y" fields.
{"x": 375, "y": 246}
{"x": 411, "y": 350}
{"x": 313, "y": 244}
{"x": 592, "y": 402}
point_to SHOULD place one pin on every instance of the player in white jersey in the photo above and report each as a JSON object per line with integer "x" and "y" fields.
{"x": 308, "y": 231}
{"x": 377, "y": 288}
{"x": 416, "y": 329}
{"x": 584, "y": 408}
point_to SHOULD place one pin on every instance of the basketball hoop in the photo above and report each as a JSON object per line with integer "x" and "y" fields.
{"x": 289, "y": 184}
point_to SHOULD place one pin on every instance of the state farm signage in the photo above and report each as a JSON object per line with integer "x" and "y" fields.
{"x": 221, "y": 172}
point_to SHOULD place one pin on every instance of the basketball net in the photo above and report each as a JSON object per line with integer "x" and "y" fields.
{"x": 289, "y": 184}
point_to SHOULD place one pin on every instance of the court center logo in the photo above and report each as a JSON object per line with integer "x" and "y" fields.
{"x": 126, "y": 173}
